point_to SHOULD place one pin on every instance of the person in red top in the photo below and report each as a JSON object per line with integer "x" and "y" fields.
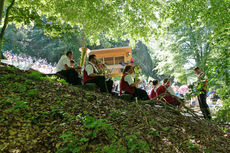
{"x": 154, "y": 90}
{"x": 129, "y": 86}
{"x": 92, "y": 75}
{"x": 165, "y": 89}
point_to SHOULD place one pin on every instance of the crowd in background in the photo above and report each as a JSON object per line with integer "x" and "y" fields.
{"x": 26, "y": 62}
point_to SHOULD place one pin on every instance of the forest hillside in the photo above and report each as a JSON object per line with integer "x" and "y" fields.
{"x": 44, "y": 114}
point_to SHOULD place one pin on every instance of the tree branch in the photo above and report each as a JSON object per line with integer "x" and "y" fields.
{"x": 206, "y": 52}
{"x": 1, "y": 9}
{"x": 188, "y": 45}
{"x": 6, "y": 19}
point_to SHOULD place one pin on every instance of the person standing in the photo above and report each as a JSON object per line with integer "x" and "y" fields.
{"x": 202, "y": 88}
{"x": 64, "y": 69}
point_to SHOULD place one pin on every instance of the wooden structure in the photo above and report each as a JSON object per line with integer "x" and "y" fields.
{"x": 114, "y": 58}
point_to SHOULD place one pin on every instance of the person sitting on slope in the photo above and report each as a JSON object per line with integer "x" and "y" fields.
{"x": 128, "y": 85}
{"x": 170, "y": 96}
{"x": 91, "y": 74}
{"x": 154, "y": 89}
{"x": 64, "y": 69}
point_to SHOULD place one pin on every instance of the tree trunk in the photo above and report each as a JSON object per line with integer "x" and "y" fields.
{"x": 1, "y": 9}
{"x": 1, "y": 12}
{"x": 197, "y": 57}
{"x": 1, "y": 57}
{"x": 82, "y": 42}
{"x": 5, "y": 22}
{"x": 206, "y": 53}
{"x": 227, "y": 80}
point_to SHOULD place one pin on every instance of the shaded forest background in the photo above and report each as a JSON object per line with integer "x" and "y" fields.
{"x": 32, "y": 41}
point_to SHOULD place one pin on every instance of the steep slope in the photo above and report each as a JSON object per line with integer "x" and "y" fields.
{"x": 44, "y": 114}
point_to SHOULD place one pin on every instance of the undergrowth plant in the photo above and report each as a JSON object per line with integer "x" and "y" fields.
{"x": 72, "y": 143}
{"x": 62, "y": 81}
{"x": 223, "y": 114}
{"x": 192, "y": 146}
{"x": 96, "y": 127}
{"x": 117, "y": 114}
{"x": 32, "y": 92}
{"x": 35, "y": 75}
{"x": 17, "y": 87}
{"x": 16, "y": 105}
{"x": 154, "y": 132}
{"x": 11, "y": 68}
{"x": 53, "y": 79}
{"x": 135, "y": 145}
{"x": 114, "y": 148}
{"x": 9, "y": 76}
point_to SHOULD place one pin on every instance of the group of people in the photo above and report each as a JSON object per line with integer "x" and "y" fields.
{"x": 170, "y": 96}
{"x": 94, "y": 72}
{"x": 27, "y": 62}
{"x": 200, "y": 86}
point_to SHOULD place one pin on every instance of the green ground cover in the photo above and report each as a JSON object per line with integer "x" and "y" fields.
{"x": 45, "y": 114}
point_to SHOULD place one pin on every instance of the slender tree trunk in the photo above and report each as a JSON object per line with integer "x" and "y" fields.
{"x": 1, "y": 57}
{"x": 227, "y": 79}
{"x": 195, "y": 47}
{"x": 197, "y": 57}
{"x": 206, "y": 53}
{"x": 1, "y": 9}
{"x": 82, "y": 42}
{"x": 5, "y": 22}
{"x": 1, "y": 12}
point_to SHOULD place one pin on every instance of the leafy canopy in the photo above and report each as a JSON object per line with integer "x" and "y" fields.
{"x": 131, "y": 19}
